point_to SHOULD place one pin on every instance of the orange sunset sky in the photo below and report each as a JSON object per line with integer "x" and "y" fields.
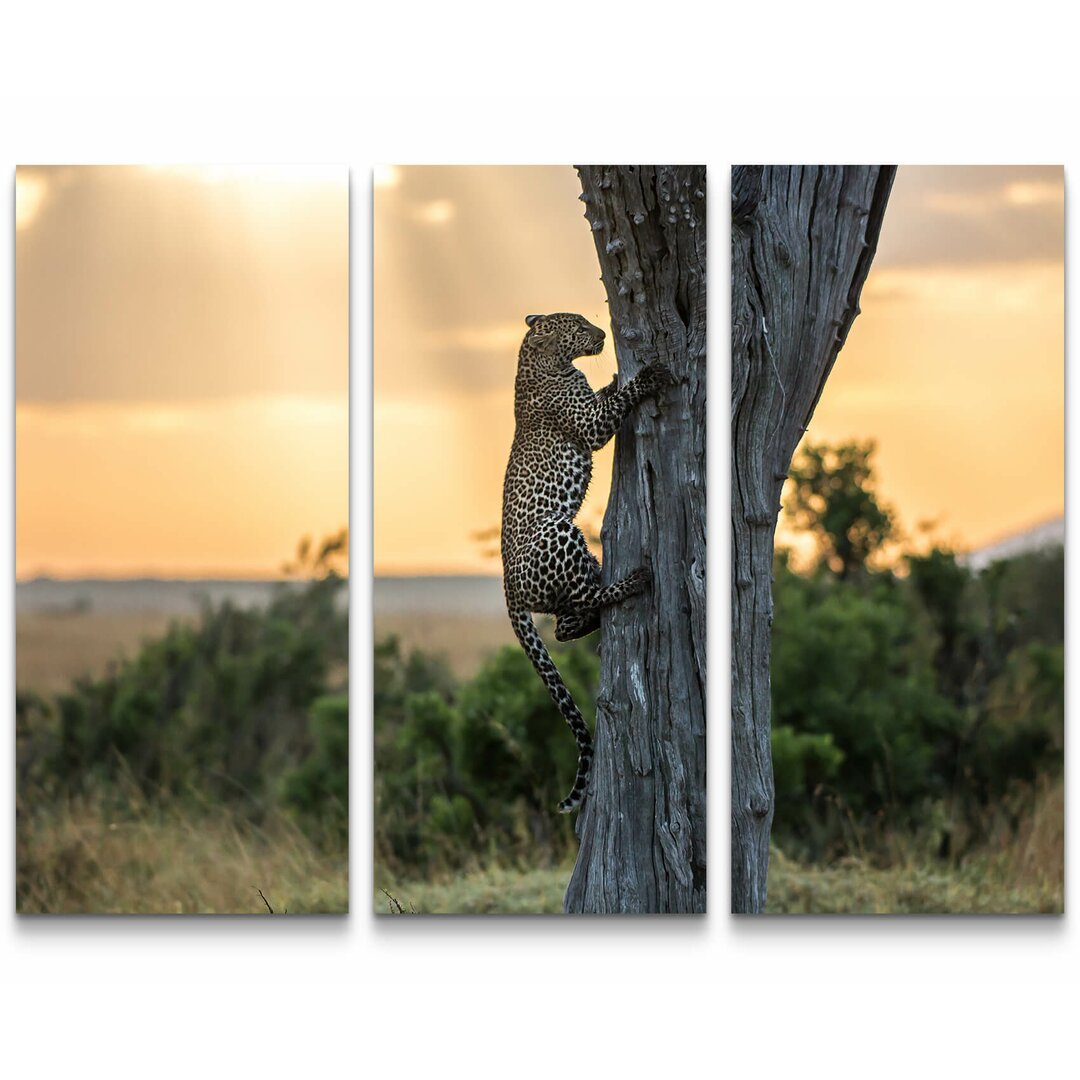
{"x": 955, "y": 367}
{"x": 182, "y": 358}
{"x": 181, "y": 368}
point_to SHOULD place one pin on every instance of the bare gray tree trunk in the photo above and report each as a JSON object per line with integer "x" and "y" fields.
{"x": 642, "y": 828}
{"x": 802, "y": 240}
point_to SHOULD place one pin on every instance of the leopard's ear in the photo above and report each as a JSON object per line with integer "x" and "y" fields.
{"x": 530, "y": 319}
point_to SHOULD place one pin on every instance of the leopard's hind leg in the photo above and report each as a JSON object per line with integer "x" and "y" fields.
{"x": 575, "y": 572}
{"x": 557, "y": 574}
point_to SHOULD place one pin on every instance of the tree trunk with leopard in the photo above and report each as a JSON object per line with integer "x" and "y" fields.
{"x": 642, "y": 825}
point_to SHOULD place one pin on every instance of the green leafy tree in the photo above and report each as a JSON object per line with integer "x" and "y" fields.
{"x": 832, "y": 497}
{"x": 948, "y": 593}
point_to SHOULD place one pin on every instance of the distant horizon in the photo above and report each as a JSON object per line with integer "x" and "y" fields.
{"x": 991, "y": 540}
{"x": 151, "y": 574}
{"x": 256, "y": 579}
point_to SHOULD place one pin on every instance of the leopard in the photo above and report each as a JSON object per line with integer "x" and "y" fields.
{"x": 548, "y": 569}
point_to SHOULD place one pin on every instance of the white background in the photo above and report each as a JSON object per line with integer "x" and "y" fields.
{"x": 319, "y": 82}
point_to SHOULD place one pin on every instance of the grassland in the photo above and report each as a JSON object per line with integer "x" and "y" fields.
{"x": 852, "y": 888}
{"x": 1022, "y": 875}
{"x": 493, "y": 891}
{"x": 53, "y": 649}
{"x": 982, "y": 887}
{"x": 464, "y": 641}
{"x": 116, "y": 851}
{"x": 84, "y": 857}
{"x": 77, "y": 857}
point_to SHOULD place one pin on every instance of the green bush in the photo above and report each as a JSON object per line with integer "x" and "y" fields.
{"x": 938, "y": 692}
{"x": 918, "y": 704}
{"x": 802, "y": 763}
{"x": 317, "y": 789}
{"x": 461, "y": 771}
{"x": 243, "y": 707}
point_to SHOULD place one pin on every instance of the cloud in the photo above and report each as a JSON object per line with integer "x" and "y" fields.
{"x": 1034, "y": 192}
{"x": 975, "y": 290}
{"x": 985, "y": 203}
{"x": 386, "y": 176}
{"x": 965, "y": 215}
{"x": 35, "y": 185}
{"x": 499, "y": 338}
{"x": 156, "y": 283}
{"x": 450, "y": 302}
{"x": 436, "y": 212}
{"x": 29, "y": 195}
{"x": 108, "y": 419}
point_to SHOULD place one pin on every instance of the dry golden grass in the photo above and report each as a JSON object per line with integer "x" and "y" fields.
{"x": 51, "y": 650}
{"x": 465, "y": 641}
{"x": 1021, "y": 872}
{"x": 80, "y": 859}
{"x": 1037, "y": 853}
{"x": 981, "y": 887}
{"x": 492, "y": 891}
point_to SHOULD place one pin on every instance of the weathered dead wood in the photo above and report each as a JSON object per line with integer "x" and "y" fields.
{"x": 802, "y": 241}
{"x": 642, "y": 828}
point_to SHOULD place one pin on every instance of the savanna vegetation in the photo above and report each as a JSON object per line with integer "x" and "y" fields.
{"x": 918, "y": 719}
{"x": 468, "y": 774}
{"x": 209, "y": 767}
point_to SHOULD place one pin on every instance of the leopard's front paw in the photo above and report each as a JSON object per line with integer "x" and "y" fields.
{"x": 638, "y": 581}
{"x": 658, "y": 376}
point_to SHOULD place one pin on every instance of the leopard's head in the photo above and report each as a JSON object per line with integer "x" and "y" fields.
{"x": 563, "y": 336}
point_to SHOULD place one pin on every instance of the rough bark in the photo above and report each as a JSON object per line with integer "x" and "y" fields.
{"x": 642, "y": 827}
{"x": 802, "y": 241}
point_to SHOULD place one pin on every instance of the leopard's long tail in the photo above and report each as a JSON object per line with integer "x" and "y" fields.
{"x": 536, "y": 651}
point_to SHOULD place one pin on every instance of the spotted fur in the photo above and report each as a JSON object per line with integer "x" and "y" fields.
{"x": 547, "y": 565}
